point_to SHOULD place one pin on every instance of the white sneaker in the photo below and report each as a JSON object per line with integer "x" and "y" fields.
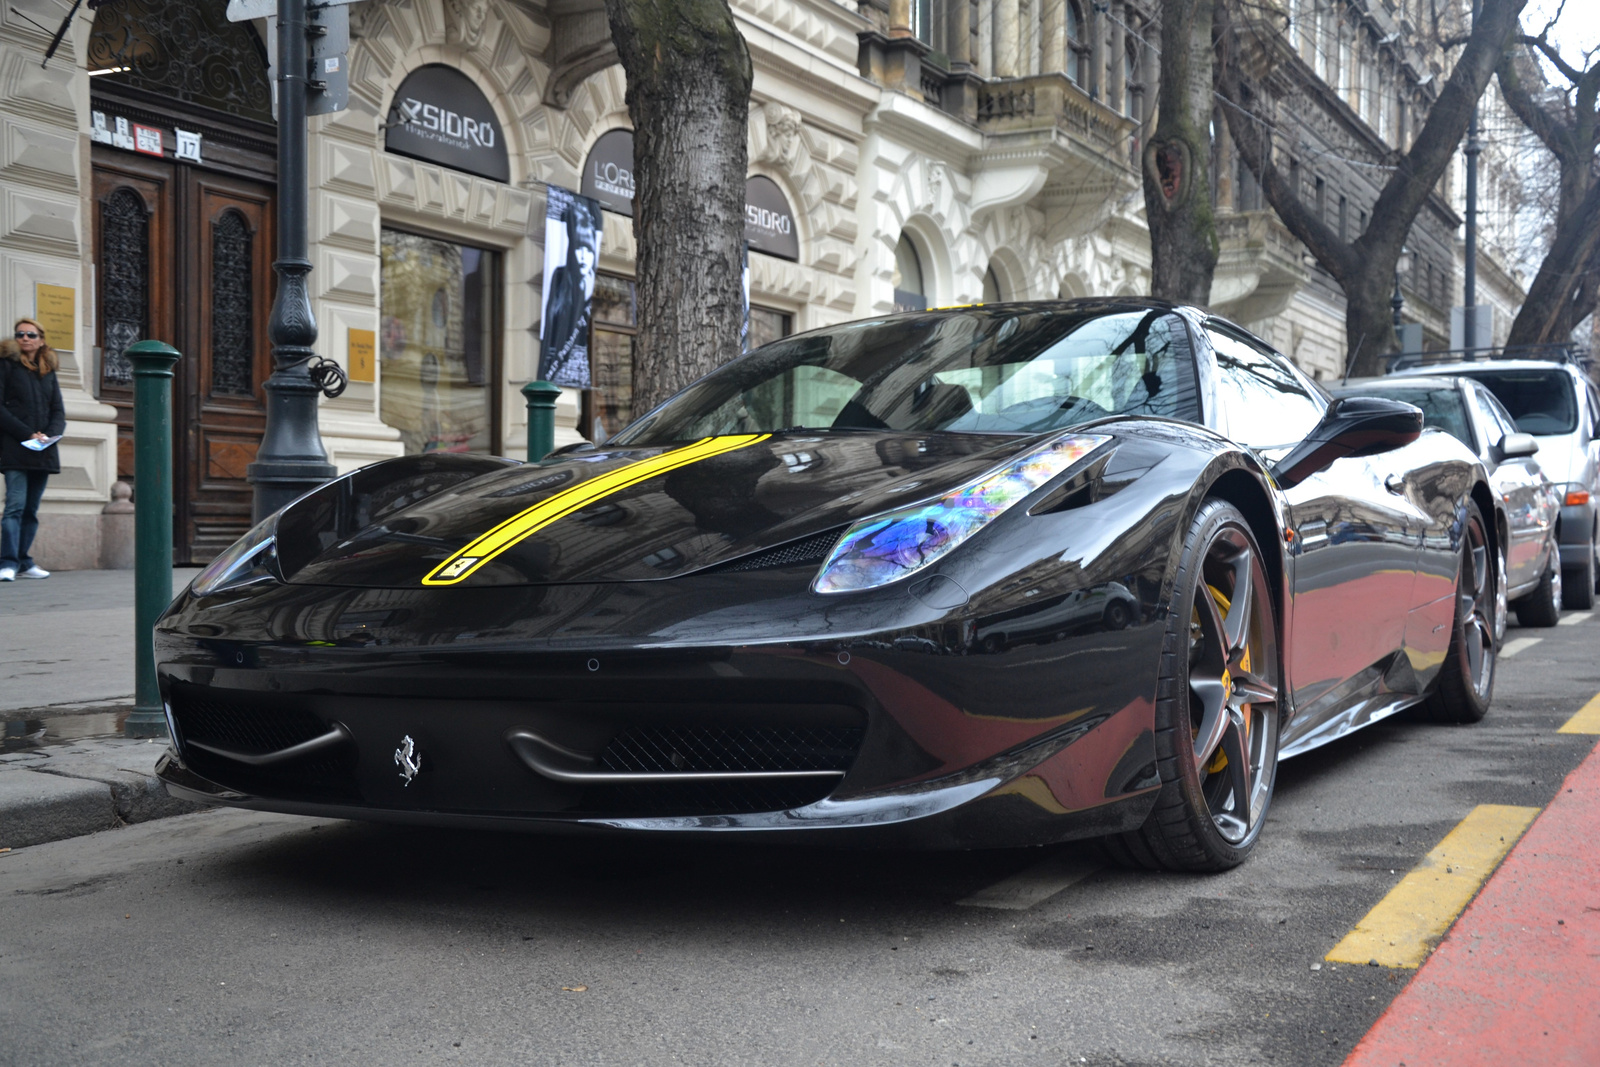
{"x": 8, "y": 574}
{"x": 34, "y": 571}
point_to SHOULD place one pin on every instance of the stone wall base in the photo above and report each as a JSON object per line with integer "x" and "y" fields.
{"x": 77, "y": 542}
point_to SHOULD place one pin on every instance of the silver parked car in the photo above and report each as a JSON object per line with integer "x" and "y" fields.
{"x": 1558, "y": 404}
{"x": 1527, "y": 501}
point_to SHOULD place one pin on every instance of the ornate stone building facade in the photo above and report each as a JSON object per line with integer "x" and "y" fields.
{"x": 928, "y": 152}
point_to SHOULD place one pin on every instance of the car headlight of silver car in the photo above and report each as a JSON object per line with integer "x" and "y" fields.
{"x": 886, "y": 548}
{"x": 251, "y": 559}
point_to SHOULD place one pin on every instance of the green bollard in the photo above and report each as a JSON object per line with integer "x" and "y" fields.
{"x": 541, "y": 398}
{"x": 152, "y": 525}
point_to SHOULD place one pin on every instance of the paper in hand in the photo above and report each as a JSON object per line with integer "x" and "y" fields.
{"x": 39, "y": 446}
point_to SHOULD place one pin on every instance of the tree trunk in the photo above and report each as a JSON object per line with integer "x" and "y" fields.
{"x": 1364, "y": 267}
{"x": 1177, "y": 159}
{"x": 689, "y": 80}
{"x": 1563, "y": 292}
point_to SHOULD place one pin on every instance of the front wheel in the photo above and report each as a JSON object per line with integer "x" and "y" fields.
{"x": 1466, "y": 681}
{"x": 1217, "y": 711}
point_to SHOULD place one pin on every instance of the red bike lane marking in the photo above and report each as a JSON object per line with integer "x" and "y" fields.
{"x": 1517, "y": 979}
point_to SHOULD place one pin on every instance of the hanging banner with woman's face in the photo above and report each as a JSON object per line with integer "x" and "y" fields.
{"x": 571, "y": 250}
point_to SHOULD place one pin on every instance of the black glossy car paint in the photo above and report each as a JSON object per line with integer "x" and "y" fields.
{"x": 580, "y": 633}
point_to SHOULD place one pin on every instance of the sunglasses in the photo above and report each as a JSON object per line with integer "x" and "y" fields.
{"x": 26, "y": 335}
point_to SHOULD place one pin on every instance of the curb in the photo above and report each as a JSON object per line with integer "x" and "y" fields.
{"x": 61, "y": 791}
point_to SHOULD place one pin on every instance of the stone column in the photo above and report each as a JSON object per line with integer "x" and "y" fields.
{"x": 958, "y": 31}
{"x": 1053, "y": 43}
{"x": 1007, "y": 38}
{"x": 900, "y": 18}
{"x": 1117, "y": 62}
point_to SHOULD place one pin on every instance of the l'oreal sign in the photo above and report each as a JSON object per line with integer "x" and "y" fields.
{"x": 441, "y": 116}
{"x": 769, "y": 221}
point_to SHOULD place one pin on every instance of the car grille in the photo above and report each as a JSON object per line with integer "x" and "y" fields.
{"x": 688, "y": 749}
{"x": 761, "y": 749}
{"x": 255, "y": 725}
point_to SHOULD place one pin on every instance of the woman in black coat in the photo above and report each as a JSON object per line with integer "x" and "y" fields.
{"x": 30, "y": 410}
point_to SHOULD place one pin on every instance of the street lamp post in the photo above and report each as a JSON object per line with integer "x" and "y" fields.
{"x": 292, "y": 459}
{"x": 1401, "y": 265}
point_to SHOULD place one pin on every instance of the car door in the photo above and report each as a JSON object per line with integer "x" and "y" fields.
{"x": 1355, "y": 543}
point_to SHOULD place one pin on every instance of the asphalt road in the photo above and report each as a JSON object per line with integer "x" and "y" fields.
{"x": 232, "y": 937}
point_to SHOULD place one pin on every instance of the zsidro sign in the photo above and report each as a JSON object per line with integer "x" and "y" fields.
{"x": 441, "y": 116}
{"x": 769, "y": 221}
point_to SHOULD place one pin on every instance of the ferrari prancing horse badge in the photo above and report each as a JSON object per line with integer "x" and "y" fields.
{"x": 408, "y": 759}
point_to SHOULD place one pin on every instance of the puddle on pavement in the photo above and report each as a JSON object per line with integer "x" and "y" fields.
{"x": 23, "y": 734}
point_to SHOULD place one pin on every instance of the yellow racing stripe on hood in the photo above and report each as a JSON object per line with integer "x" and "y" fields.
{"x": 529, "y": 522}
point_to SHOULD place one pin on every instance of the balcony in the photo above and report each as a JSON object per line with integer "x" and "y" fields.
{"x": 1260, "y": 267}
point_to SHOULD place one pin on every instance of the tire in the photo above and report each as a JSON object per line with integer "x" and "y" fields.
{"x": 1117, "y": 616}
{"x": 1217, "y": 708}
{"x": 1542, "y": 607}
{"x": 1466, "y": 680}
{"x": 1578, "y": 583}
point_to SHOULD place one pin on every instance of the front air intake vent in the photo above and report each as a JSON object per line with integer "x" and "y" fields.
{"x": 813, "y": 549}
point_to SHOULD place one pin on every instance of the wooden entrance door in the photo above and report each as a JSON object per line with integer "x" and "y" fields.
{"x": 195, "y": 271}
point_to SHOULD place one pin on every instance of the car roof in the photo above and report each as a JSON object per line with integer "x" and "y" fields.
{"x": 1417, "y": 381}
{"x": 1467, "y": 367}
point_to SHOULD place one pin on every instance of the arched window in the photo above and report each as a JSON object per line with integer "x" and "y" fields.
{"x": 909, "y": 294}
{"x": 1075, "y": 45}
{"x": 991, "y": 287}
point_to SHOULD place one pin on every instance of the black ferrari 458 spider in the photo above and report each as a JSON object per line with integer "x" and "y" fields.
{"x": 978, "y": 577}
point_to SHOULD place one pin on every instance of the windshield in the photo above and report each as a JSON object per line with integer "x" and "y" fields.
{"x": 1541, "y": 401}
{"x": 1442, "y": 408}
{"x": 983, "y": 370}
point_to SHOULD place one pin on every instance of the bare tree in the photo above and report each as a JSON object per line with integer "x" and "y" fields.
{"x": 1566, "y": 288}
{"x": 689, "y": 80}
{"x": 1364, "y": 267}
{"x": 1177, "y": 179}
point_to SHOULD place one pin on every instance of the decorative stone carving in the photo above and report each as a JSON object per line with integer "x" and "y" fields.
{"x": 467, "y": 21}
{"x": 777, "y": 135}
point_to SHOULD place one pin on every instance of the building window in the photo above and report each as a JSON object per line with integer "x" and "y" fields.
{"x": 438, "y": 343}
{"x": 909, "y": 294}
{"x": 767, "y": 325}
{"x": 233, "y": 342}
{"x": 1075, "y": 45}
{"x": 922, "y": 20}
{"x": 1344, "y": 219}
{"x": 991, "y": 287}
{"x": 124, "y": 281}
{"x": 608, "y": 405}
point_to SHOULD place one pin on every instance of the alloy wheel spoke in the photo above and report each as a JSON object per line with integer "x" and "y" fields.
{"x": 1236, "y": 746}
{"x": 1213, "y": 698}
{"x": 1236, "y": 627}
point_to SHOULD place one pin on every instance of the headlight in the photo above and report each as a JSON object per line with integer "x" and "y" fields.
{"x": 886, "y": 548}
{"x": 253, "y": 558}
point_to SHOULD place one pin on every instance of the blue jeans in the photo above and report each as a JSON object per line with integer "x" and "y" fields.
{"x": 21, "y": 521}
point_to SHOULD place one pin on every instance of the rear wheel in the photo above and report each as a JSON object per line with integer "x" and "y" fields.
{"x": 1542, "y": 607}
{"x": 1466, "y": 681}
{"x": 1217, "y": 711}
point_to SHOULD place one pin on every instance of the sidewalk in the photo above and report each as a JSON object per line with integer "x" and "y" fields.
{"x": 1514, "y": 981}
{"x": 66, "y": 684}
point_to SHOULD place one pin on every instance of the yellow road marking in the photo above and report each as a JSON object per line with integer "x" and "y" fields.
{"x": 1518, "y": 644}
{"x": 1403, "y": 928}
{"x": 526, "y": 523}
{"x": 1587, "y": 721}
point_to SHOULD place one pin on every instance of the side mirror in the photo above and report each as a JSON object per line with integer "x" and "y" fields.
{"x": 1517, "y": 445}
{"x": 1352, "y": 426}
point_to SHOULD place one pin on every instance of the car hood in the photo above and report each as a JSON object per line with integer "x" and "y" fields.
{"x": 640, "y": 514}
{"x": 1560, "y": 456}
